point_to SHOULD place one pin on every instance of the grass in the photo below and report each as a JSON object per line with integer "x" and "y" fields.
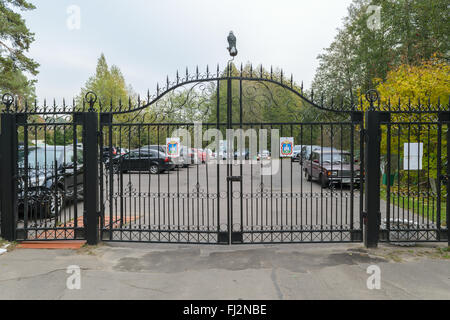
{"x": 423, "y": 207}
{"x": 12, "y": 245}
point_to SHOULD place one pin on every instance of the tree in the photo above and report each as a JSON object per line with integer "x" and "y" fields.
{"x": 15, "y": 41}
{"x": 108, "y": 84}
{"x": 409, "y": 32}
{"x": 112, "y": 92}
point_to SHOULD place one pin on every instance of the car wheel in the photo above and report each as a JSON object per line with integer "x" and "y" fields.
{"x": 56, "y": 202}
{"x": 308, "y": 177}
{"x": 154, "y": 169}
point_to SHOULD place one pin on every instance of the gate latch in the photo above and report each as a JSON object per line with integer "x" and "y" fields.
{"x": 235, "y": 179}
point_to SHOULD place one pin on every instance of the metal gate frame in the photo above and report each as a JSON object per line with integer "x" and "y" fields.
{"x": 374, "y": 117}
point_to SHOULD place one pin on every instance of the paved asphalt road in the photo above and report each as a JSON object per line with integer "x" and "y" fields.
{"x": 150, "y": 271}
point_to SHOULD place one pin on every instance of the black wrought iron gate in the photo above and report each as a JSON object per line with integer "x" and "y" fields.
{"x": 257, "y": 161}
{"x": 236, "y": 191}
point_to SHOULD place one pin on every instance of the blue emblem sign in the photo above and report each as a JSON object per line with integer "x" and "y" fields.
{"x": 286, "y": 147}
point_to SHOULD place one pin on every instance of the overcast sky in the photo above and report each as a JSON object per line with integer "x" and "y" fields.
{"x": 149, "y": 40}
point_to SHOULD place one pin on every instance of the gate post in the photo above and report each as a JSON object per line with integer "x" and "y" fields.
{"x": 8, "y": 186}
{"x": 372, "y": 215}
{"x": 90, "y": 140}
{"x": 372, "y": 154}
{"x": 444, "y": 118}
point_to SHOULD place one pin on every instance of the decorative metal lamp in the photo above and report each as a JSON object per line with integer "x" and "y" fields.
{"x": 232, "y": 44}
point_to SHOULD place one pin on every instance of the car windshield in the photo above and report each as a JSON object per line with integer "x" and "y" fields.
{"x": 336, "y": 158}
{"x": 297, "y": 148}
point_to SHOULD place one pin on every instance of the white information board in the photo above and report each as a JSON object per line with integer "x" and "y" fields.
{"x": 413, "y": 156}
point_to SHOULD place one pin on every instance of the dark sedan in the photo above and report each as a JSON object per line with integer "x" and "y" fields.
{"x": 152, "y": 161}
{"x": 50, "y": 176}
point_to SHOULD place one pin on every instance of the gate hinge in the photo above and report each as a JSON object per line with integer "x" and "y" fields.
{"x": 234, "y": 179}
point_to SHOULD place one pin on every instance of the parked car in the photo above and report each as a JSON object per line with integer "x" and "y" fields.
{"x": 106, "y": 152}
{"x": 122, "y": 151}
{"x": 202, "y": 155}
{"x": 193, "y": 153}
{"x": 264, "y": 155}
{"x": 297, "y": 151}
{"x": 178, "y": 161}
{"x": 186, "y": 155}
{"x": 152, "y": 161}
{"x": 242, "y": 155}
{"x": 210, "y": 155}
{"x": 50, "y": 180}
{"x": 331, "y": 166}
{"x": 305, "y": 153}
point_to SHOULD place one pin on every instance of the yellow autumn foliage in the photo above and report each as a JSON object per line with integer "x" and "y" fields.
{"x": 428, "y": 82}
